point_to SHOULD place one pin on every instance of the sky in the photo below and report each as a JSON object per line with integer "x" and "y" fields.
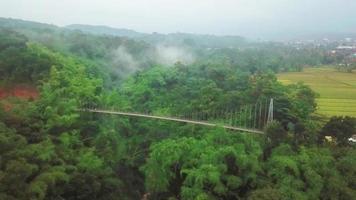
{"x": 249, "y": 18}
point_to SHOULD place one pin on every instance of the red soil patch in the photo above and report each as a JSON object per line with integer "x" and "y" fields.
{"x": 21, "y": 92}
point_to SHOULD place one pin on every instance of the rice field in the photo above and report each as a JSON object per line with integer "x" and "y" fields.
{"x": 337, "y": 90}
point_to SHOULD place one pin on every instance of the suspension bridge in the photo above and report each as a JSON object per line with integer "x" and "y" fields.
{"x": 250, "y": 119}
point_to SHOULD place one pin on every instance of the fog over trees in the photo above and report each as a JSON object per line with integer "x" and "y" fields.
{"x": 271, "y": 19}
{"x": 66, "y": 67}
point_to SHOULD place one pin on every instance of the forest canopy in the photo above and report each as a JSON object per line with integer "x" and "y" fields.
{"x": 50, "y": 149}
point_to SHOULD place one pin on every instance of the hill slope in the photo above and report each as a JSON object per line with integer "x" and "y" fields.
{"x": 100, "y": 30}
{"x": 211, "y": 41}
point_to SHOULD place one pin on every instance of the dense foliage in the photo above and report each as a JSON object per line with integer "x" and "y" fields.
{"x": 49, "y": 149}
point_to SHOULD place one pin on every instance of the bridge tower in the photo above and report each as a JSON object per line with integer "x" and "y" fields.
{"x": 270, "y": 112}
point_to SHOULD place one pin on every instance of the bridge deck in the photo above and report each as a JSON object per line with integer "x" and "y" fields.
{"x": 204, "y": 123}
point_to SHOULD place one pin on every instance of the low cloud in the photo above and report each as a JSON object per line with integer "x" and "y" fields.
{"x": 169, "y": 55}
{"x": 123, "y": 61}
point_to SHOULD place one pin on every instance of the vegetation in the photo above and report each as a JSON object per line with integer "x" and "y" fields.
{"x": 337, "y": 90}
{"x": 51, "y": 150}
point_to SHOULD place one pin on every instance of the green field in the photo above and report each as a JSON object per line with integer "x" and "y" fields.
{"x": 337, "y": 89}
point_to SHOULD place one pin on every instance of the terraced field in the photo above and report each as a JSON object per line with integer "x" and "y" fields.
{"x": 337, "y": 89}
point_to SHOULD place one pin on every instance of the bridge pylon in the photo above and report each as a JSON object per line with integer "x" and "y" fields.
{"x": 270, "y": 112}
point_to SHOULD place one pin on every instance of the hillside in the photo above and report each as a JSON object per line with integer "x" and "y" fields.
{"x": 54, "y": 144}
{"x": 105, "y": 30}
{"x": 208, "y": 41}
{"x": 24, "y": 24}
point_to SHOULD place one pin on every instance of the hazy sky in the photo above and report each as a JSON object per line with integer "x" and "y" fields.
{"x": 251, "y": 18}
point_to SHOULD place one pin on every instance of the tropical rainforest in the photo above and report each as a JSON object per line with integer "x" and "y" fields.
{"x": 50, "y": 149}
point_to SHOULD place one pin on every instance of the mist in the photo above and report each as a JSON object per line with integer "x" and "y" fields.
{"x": 169, "y": 55}
{"x": 248, "y": 18}
{"x": 123, "y": 63}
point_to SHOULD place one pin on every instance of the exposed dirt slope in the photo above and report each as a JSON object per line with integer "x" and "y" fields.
{"x": 19, "y": 91}
{"x": 23, "y": 92}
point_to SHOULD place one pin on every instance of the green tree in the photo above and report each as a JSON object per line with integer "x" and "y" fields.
{"x": 341, "y": 128}
{"x": 219, "y": 166}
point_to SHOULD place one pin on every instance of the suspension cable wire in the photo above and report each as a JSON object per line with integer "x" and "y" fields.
{"x": 270, "y": 111}
{"x": 246, "y": 110}
{"x": 231, "y": 116}
{"x": 265, "y": 113}
{"x": 131, "y": 114}
{"x": 254, "y": 118}
{"x": 260, "y": 116}
{"x": 251, "y": 116}
{"x": 240, "y": 116}
{"x": 247, "y": 116}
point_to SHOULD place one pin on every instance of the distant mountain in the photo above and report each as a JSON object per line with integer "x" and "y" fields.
{"x": 189, "y": 39}
{"x": 105, "y": 30}
{"x": 29, "y": 28}
{"x": 19, "y": 23}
